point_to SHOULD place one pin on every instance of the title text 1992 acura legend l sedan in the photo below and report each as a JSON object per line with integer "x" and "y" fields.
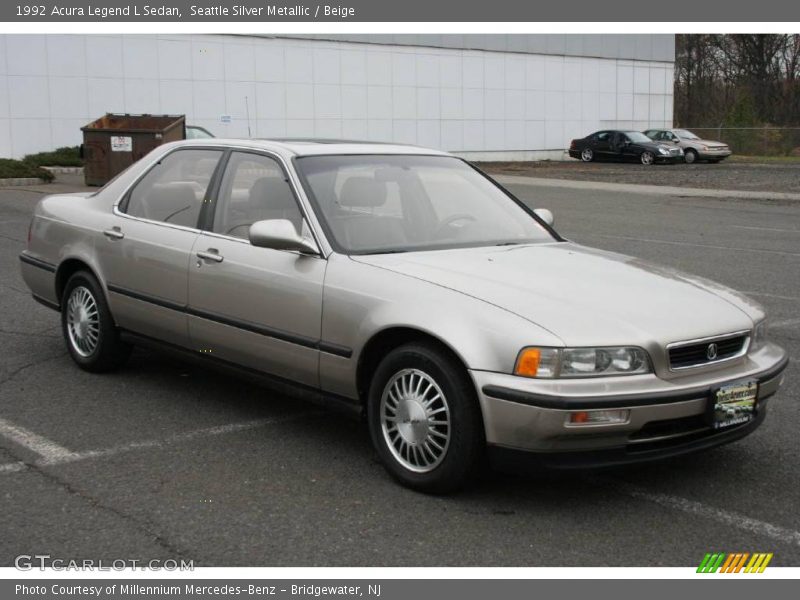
{"x": 405, "y": 284}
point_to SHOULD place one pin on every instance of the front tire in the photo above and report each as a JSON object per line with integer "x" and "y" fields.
{"x": 690, "y": 156}
{"x": 647, "y": 158}
{"x": 424, "y": 419}
{"x": 587, "y": 155}
{"x": 89, "y": 331}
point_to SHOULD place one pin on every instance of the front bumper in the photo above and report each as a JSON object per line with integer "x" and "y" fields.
{"x": 665, "y": 418}
{"x": 671, "y": 158}
{"x": 713, "y": 154}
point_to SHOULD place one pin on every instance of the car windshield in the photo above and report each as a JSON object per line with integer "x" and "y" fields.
{"x": 686, "y": 135}
{"x": 637, "y": 136}
{"x": 373, "y": 204}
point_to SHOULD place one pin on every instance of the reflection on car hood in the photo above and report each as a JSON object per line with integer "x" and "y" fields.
{"x": 583, "y": 295}
{"x": 706, "y": 142}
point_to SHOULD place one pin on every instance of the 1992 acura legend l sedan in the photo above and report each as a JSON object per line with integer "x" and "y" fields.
{"x": 407, "y": 285}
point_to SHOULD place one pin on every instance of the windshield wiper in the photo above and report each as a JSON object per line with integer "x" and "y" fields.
{"x": 508, "y": 244}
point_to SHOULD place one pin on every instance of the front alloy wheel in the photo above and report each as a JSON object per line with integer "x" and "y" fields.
{"x": 424, "y": 418}
{"x": 587, "y": 155}
{"x": 415, "y": 420}
{"x": 648, "y": 158}
{"x": 690, "y": 156}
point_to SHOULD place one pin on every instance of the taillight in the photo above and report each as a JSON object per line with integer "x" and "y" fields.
{"x": 572, "y": 145}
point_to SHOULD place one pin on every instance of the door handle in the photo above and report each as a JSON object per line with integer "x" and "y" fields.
{"x": 114, "y": 233}
{"x": 211, "y": 254}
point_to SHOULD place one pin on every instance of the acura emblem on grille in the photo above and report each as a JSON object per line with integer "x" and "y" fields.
{"x": 711, "y": 351}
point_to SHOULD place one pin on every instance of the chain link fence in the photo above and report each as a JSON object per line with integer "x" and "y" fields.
{"x": 754, "y": 141}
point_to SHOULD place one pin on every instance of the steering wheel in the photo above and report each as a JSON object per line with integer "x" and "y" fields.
{"x": 454, "y": 219}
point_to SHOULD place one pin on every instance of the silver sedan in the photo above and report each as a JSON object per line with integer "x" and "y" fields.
{"x": 694, "y": 148}
{"x": 410, "y": 288}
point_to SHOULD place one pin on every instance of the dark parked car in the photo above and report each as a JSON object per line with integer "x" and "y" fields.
{"x": 623, "y": 145}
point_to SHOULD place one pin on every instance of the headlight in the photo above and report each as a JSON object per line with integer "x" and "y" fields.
{"x": 759, "y": 335}
{"x": 663, "y": 151}
{"x": 550, "y": 363}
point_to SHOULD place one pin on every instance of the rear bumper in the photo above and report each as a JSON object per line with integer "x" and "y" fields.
{"x": 665, "y": 418}
{"x": 40, "y": 277}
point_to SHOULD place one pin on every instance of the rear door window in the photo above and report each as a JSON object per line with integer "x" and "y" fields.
{"x": 174, "y": 189}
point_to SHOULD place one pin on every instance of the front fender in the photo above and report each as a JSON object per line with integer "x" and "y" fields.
{"x": 362, "y": 300}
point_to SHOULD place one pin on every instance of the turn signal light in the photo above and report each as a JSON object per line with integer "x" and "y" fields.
{"x": 528, "y": 362}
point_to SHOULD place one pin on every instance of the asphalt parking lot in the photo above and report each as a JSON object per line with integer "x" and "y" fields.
{"x": 169, "y": 460}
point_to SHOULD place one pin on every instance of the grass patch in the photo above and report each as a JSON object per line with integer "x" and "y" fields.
{"x": 66, "y": 156}
{"x": 10, "y": 168}
{"x": 786, "y": 160}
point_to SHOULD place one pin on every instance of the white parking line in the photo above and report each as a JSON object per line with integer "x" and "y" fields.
{"x": 12, "y": 467}
{"x": 729, "y": 518}
{"x": 766, "y": 228}
{"x": 47, "y": 449}
{"x": 187, "y": 436}
{"x": 53, "y": 454}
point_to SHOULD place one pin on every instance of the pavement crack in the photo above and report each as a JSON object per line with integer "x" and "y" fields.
{"x": 138, "y": 524}
{"x": 28, "y": 365}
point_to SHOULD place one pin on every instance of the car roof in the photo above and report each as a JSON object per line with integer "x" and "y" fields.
{"x": 314, "y": 146}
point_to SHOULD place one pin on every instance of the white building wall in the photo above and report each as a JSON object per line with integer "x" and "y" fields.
{"x": 484, "y": 104}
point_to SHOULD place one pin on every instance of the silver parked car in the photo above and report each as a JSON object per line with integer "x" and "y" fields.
{"x": 694, "y": 148}
{"x": 410, "y": 287}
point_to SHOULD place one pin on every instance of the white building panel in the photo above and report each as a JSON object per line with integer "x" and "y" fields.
{"x": 464, "y": 93}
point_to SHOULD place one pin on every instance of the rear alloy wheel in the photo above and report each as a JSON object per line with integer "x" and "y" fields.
{"x": 90, "y": 333}
{"x": 587, "y": 155}
{"x": 690, "y": 156}
{"x": 424, "y": 419}
{"x": 647, "y": 158}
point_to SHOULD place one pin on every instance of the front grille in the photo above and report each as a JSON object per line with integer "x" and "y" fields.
{"x": 682, "y": 356}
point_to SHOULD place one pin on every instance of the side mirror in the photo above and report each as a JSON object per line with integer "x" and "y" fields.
{"x": 626, "y": 143}
{"x": 546, "y": 215}
{"x": 280, "y": 234}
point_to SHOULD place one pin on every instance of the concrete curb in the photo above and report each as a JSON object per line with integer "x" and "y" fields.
{"x": 656, "y": 190}
{"x": 65, "y": 170}
{"x": 18, "y": 181}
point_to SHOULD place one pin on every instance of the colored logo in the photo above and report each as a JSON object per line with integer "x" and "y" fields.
{"x": 737, "y": 562}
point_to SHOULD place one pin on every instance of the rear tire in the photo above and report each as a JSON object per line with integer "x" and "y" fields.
{"x": 587, "y": 155}
{"x": 424, "y": 419}
{"x": 89, "y": 330}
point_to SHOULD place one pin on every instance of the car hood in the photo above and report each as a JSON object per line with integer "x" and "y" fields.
{"x": 583, "y": 295}
{"x": 654, "y": 146}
